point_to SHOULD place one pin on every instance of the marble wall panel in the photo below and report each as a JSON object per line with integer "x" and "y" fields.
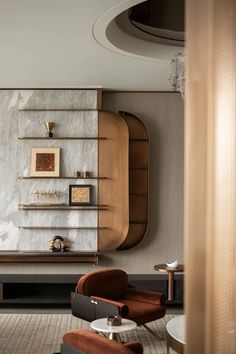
{"x": 80, "y": 240}
{"x": 14, "y": 163}
{"x": 78, "y": 123}
{"x": 79, "y": 155}
{"x": 57, "y": 99}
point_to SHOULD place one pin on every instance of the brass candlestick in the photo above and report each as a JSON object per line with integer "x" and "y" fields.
{"x": 49, "y": 126}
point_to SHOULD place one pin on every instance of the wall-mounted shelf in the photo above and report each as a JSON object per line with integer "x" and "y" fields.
{"x": 138, "y": 180}
{"x": 58, "y": 110}
{"x": 48, "y": 227}
{"x": 61, "y": 207}
{"x": 61, "y": 138}
{"x": 122, "y": 145}
{"x": 138, "y": 139}
{"x": 48, "y": 257}
{"x": 63, "y": 177}
{"x": 138, "y": 222}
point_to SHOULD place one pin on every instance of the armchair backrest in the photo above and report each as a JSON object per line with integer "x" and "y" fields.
{"x": 91, "y": 343}
{"x": 107, "y": 283}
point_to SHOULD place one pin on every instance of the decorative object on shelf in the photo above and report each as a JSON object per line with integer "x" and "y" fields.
{"x": 77, "y": 174}
{"x": 114, "y": 321}
{"x": 58, "y": 244}
{"x": 86, "y": 174}
{"x": 49, "y": 127}
{"x": 80, "y": 194}
{"x": 44, "y": 162}
{"x": 52, "y": 197}
{"x": 177, "y": 76}
{"x": 173, "y": 264}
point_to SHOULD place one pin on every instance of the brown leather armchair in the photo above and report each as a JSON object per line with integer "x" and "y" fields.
{"x": 109, "y": 287}
{"x": 82, "y": 341}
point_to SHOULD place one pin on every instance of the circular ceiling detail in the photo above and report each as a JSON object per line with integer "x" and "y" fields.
{"x": 122, "y": 30}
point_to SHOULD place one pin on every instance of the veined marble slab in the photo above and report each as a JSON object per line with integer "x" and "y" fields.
{"x": 57, "y": 99}
{"x": 69, "y": 124}
{"x": 15, "y": 161}
{"x": 80, "y": 240}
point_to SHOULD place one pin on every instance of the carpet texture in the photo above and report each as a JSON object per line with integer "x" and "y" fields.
{"x": 42, "y": 333}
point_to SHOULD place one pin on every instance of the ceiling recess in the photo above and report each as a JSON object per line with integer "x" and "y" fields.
{"x": 160, "y": 21}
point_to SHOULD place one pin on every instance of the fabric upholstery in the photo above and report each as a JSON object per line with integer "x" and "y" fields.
{"x": 123, "y": 309}
{"x": 143, "y": 312}
{"x": 91, "y": 343}
{"x": 108, "y": 283}
{"x": 146, "y": 296}
{"x": 111, "y": 286}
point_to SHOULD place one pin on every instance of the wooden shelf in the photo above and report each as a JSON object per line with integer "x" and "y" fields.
{"x": 138, "y": 139}
{"x": 63, "y": 177}
{"x": 138, "y": 222}
{"x": 48, "y": 227}
{"x": 61, "y": 207}
{"x": 58, "y": 110}
{"x": 61, "y": 138}
{"x": 48, "y": 257}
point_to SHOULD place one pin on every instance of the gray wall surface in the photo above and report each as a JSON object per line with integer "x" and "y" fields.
{"x": 163, "y": 115}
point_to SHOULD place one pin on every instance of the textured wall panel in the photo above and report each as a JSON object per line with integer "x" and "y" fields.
{"x": 15, "y": 158}
{"x": 59, "y": 99}
{"x": 210, "y": 178}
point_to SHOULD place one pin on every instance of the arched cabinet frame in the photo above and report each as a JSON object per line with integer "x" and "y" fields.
{"x": 138, "y": 180}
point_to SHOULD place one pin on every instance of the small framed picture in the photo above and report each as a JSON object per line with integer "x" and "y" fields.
{"x": 44, "y": 162}
{"x": 80, "y": 194}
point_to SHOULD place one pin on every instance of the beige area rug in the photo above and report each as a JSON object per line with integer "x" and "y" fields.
{"x": 42, "y": 333}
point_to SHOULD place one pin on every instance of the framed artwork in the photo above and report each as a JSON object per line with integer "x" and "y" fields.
{"x": 80, "y": 194}
{"x": 44, "y": 162}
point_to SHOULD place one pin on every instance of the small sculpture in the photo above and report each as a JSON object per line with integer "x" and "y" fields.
{"x": 49, "y": 126}
{"x": 58, "y": 244}
{"x": 47, "y": 197}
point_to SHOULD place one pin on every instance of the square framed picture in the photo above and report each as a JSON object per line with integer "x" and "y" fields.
{"x": 44, "y": 162}
{"x": 80, "y": 194}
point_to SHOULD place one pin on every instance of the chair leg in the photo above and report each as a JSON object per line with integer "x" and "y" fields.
{"x": 152, "y": 332}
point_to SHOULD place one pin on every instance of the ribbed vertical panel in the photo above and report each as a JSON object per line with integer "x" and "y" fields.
{"x": 210, "y": 201}
{"x": 221, "y": 274}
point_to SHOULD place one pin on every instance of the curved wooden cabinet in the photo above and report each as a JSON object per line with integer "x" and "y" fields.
{"x": 138, "y": 180}
{"x": 113, "y": 162}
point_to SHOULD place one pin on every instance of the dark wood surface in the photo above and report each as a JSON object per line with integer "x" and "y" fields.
{"x": 62, "y": 138}
{"x": 55, "y": 288}
{"x": 48, "y": 257}
{"x": 164, "y": 268}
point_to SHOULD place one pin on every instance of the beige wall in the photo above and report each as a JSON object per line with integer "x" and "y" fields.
{"x": 163, "y": 116}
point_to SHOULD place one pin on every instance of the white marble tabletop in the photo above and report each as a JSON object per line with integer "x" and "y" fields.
{"x": 101, "y": 326}
{"x": 176, "y": 328}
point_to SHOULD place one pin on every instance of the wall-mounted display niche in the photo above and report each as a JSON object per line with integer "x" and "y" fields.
{"x": 82, "y": 174}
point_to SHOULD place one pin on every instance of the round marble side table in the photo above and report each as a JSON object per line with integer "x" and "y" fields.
{"x": 101, "y": 325}
{"x": 175, "y": 334}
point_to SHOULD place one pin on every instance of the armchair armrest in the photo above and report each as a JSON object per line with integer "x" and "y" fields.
{"x": 122, "y": 308}
{"x": 151, "y": 297}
